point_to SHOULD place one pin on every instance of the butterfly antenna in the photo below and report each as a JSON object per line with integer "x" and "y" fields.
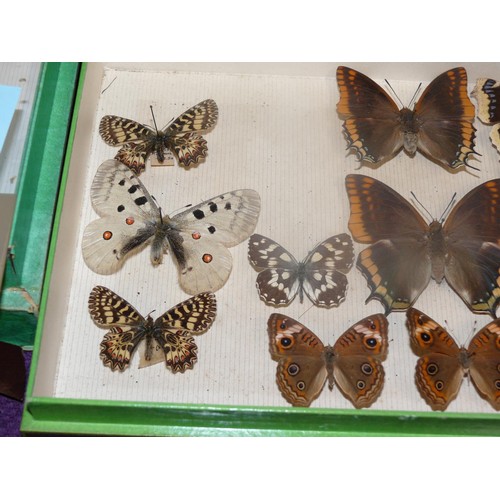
{"x": 420, "y": 204}
{"x": 153, "y": 115}
{"x": 394, "y": 92}
{"x": 449, "y": 206}
{"x": 306, "y": 311}
{"x": 415, "y": 94}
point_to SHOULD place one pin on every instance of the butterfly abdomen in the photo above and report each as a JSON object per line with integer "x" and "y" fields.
{"x": 409, "y": 127}
{"x": 437, "y": 250}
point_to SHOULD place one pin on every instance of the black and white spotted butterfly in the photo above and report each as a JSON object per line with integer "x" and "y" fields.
{"x": 182, "y": 137}
{"x": 171, "y": 333}
{"x": 321, "y": 275}
{"x": 198, "y": 237}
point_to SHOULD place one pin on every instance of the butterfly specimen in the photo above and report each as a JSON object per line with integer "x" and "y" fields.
{"x": 405, "y": 251}
{"x": 182, "y": 137}
{"x": 197, "y": 237}
{"x": 172, "y": 332}
{"x": 442, "y": 364}
{"x": 487, "y": 94}
{"x": 321, "y": 275}
{"x": 354, "y": 362}
{"x": 439, "y": 125}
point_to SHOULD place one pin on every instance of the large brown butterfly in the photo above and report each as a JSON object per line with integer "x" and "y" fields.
{"x": 354, "y": 362}
{"x": 439, "y": 126}
{"x": 182, "y": 137}
{"x": 487, "y": 94}
{"x": 442, "y": 364}
{"x": 405, "y": 251}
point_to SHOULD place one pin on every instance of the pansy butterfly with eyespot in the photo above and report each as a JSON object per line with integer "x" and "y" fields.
{"x": 321, "y": 275}
{"x": 172, "y": 333}
{"x": 405, "y": 251}
{"x": 198, "y": 237}
{"x": 354, "y": 362}
{"x": 442, "y": 364}
{"x": 182, "y": 137}
{"x": 440, "y": 125}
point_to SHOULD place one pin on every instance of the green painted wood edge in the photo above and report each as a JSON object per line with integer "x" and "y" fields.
{"x": 73, "y": 416}
{"x": 38, "y": 186}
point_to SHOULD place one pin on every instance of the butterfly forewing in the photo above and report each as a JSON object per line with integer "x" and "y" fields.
{"x": 199, "y": 118}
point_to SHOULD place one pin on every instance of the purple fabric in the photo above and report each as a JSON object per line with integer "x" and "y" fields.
{"x": 11, "y": 410}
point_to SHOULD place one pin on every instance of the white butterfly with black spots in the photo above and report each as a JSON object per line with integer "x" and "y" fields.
{"x": 197, "y": 237}
{"x": 320, "y": 276}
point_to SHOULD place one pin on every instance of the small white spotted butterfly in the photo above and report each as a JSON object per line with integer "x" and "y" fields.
{"x": 182, "y": 137}
{"x": 172, "y": 332}
{"x": 321, "y": 275}
{"x": 198, "y": 237}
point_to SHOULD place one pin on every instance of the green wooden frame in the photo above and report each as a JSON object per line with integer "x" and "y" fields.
{"x": 37, "y": 192}
{"x": 46, "y": 415}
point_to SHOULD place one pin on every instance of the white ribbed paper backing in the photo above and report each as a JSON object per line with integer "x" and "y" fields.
{"x": 280, "y": 136}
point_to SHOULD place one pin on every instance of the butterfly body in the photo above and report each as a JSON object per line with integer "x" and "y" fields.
{"x": 405, "y": 251}
{"x": 305, "y": 363}
{"x": 197, "y": 237}
{"x": 172, "y": 331}
{"x": 320, "y": 276}
{"x": 442, "y": 364}
{"x": 439, "y": 125}
{"x": 181, "y": 137}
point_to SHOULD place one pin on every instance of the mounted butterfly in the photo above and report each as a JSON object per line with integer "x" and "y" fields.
{"x": 405, "y": 251}
{"x": 182, "y": 137}
{"x": 487, "y": 94}
{"x": 198, "y": 237}
{"x": 439, "y": 126}
{"x": 442, "y": 364}
{"x": 171, "y": 333}
{"x": 304, "y": 363}
{"x": 321, "y": 275}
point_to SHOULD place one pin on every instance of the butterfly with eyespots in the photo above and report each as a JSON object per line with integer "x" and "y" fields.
{"x": 442, "y": 364}
{"x": 172, "y": 332}
{"x": 354, "y": 362}
{"x": 182, "y": 137}
{"x": 198, "y": 237}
